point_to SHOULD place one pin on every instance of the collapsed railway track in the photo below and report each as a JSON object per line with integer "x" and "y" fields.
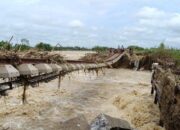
{"x": 24, "y": 72}
{"x": 32, "y": 71}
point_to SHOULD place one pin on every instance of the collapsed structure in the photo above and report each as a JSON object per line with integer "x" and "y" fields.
{"x": 29, "y": 70}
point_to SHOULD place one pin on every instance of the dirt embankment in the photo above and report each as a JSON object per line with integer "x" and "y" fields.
{"x": 167, "y": 95}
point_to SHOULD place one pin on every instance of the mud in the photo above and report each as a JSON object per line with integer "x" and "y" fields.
{"x": 167, "y": 95}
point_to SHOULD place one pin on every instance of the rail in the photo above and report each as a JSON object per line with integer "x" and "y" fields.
{"x": 34, "y": 71}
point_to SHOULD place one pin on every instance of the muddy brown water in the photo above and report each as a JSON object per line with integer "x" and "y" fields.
{"x": 120, "y": 93}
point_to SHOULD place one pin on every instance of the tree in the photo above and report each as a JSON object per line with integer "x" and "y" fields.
{"x": 43, "y": 46}
{"x": 21, "y": 47}
{"x": 161, "y": 46}
{"x": 137, "y": 48}
{"x": 25, "y": 41}
{"x": 5, "y": 45}
{"x": 100, "y": 48}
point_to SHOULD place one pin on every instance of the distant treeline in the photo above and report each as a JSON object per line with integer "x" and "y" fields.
{"x": 24, "y": 45}
{"x": 161, "y": 50}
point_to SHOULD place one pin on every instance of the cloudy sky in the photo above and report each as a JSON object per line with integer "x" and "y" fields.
{"x": 92, "y": 22}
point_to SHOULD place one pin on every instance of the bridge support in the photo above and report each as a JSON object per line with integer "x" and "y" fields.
{"x": 59, "y": 81}
{"x": 24, "y": 100}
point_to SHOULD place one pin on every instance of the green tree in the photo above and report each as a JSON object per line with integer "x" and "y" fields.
{"x": 100, "y": 48}
{"x": 24, "y": 41}
{"x": 43, "y": 46}
{"x": 136, "y": 48}
{"x": 5, "y": 45}
{"x": 161, "y": 46}
{"x": 21, "y": 47}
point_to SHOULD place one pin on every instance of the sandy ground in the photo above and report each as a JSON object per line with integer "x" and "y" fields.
{"x": 119, "y": 93}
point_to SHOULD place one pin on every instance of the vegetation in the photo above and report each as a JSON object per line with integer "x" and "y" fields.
{"x": 136, "y": 48}
{"x": 100, "y": 49}
{"x": 161, "y": 52}
{"x": 5, "y": 45}
{"x": 21, "y": 47}
{"x": 76, "y": 48}
{"x": 43, "y": 46}
{"x": 24, "y": 45}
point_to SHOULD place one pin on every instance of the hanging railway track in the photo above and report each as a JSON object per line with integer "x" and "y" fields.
{"x": 16, "y": 72}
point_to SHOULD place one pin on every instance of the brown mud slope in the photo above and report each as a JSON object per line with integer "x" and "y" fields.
{"x": 164, "y": 60}
{"x": 167, "y": 86}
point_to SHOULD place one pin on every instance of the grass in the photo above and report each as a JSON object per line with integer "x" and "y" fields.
{"x": 161, "y": 52}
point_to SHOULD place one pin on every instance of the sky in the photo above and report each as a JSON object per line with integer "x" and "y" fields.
{"x": 88, "y": 23}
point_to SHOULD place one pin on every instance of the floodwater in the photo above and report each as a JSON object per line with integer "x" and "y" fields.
{"x": 120, "y": 93}
{"x": 72, "y": 55}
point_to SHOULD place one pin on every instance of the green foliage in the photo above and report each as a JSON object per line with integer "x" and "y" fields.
{"x": 76, "y": 48}
{"x": 5, "y": 45}
{"x": 161, "y": 46}
{"x": 2, "y": 43}
{"x": 21, "y": 47}
{"x": 43, "y": 46}
{"x": 162, "y": 51}
{"x": 100, "y": 48}
{"x": 57, "y": 48}
{"x": 159, "y": 52}
{"x": 136, "y": 48}
{"x": 25, "y": 41}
